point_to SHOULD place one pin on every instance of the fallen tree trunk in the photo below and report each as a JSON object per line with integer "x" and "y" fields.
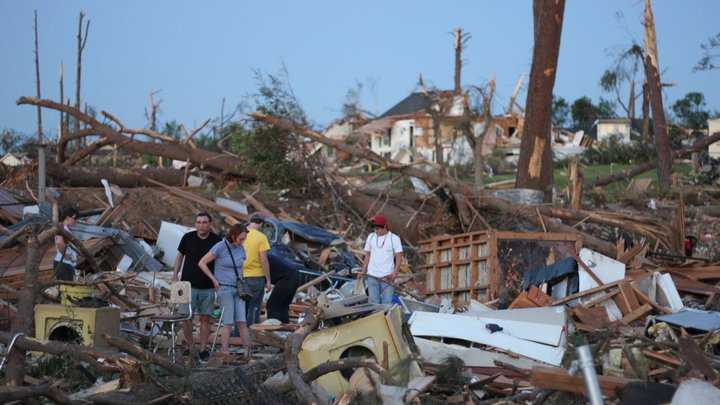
{"x": 645, "y": 167}
{"x": 77, "y": 352}
{"x": 79, "y": 176}
{"x": 292, "y": 348}
{"x": 9, "y": 394}
{"x": 176, "y": 151}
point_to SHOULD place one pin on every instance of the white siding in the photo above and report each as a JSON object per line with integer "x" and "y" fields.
{"x": 605, "y": 130}
{"x": 713, "y": 127}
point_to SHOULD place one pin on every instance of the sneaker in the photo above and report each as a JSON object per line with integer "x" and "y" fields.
{"x": 204, "y": 355}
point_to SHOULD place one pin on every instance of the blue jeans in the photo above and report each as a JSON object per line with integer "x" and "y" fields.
{"x": 257, "y": 288}
{"x": 379, "y": 291}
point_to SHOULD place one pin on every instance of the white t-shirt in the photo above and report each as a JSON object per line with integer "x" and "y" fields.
{"x": 382, "y": 251}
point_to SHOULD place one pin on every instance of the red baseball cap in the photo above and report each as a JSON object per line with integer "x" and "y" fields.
{"x": 379, "y": 220}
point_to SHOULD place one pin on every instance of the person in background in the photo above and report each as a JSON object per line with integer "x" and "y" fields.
{"x": 256, "y": 269}
{"x": 193, "y": 246}
{"x": 65, "y": 258}
{"x": 383, "y": 256}
{"x": 228, "y": 256}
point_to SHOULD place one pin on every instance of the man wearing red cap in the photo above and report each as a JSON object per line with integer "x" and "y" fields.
{"x": 383, "y": 256}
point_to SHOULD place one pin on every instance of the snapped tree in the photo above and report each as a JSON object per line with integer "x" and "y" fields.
{"x": 652, "y": 74}
{"x": 535, "y": 167}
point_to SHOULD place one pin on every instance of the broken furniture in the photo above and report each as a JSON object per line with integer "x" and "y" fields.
{"x": 180, "y": 294}
{"x": 377, "y": 336}
{"x": 473, "y": 265}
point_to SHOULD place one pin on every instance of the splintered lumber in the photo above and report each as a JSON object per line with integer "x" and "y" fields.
{"x": 627, "y": 296}
{"x": 199, "y": 200}
{"x": 694, "y": 287}
{"x": 558, "y": 379}
{"x": 586, "y": 292}
{"x": 663, "y": 358}
{"x": 637, "y": 313}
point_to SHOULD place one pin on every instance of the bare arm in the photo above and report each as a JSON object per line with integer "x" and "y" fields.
{"x": 366, "y": 262}
{"x": 266, "y": 269}
{"x": 203, "y": 264}
{"x": 178, "y": 263}
{"x": 398, "y": 261}
{"x": 60, "y": 243}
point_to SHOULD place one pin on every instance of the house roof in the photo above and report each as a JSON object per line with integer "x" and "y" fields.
{"x": 411, "y": 104}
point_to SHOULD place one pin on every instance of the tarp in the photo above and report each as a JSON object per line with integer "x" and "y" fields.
{"x": 566, "y": 267}
{"x": 694, "y": 319}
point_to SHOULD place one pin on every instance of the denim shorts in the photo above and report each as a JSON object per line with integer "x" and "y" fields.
{"x": 202, "y": 301}
{"x": 233, "y": 307}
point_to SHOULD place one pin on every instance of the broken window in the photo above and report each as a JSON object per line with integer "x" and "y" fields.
{"x": 387, "y": 138}
{"x": 412, "y": 136}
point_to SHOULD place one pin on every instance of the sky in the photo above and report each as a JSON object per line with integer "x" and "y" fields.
{"x": 197, "y": 52}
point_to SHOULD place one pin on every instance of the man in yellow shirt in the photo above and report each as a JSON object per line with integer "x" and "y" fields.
{"x": 256, "y": 268}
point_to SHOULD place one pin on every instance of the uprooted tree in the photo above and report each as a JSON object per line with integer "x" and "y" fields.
{"x": 535, "y": 167}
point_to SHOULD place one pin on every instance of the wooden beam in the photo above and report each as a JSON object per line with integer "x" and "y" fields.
{"x": 558, "y": 379}
{"x": 637, "y": 313}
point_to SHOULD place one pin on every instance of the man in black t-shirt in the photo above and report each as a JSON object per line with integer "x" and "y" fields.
{"x": 193, "y": 246}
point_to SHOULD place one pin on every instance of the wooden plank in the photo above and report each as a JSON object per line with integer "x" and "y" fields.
{"x": 630, "y": 254}
{"x": 662, "y": 358}
{"x": 637, "y": 313}
{"x": 693, "y": 287}
{"x": 587, "y": 292}
{"x": 595, "y": 317}
{"x": 646, "y": 300}
{"x": 558, "y": 379}
{"x": 628, "y": 296}
{"x": 601, "y": 298}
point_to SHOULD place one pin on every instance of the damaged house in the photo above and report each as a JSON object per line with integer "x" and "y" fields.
{"x": 405, "y": 132}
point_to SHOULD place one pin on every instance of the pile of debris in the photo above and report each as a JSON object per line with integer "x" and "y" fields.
{"x": 499, "y": 300}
